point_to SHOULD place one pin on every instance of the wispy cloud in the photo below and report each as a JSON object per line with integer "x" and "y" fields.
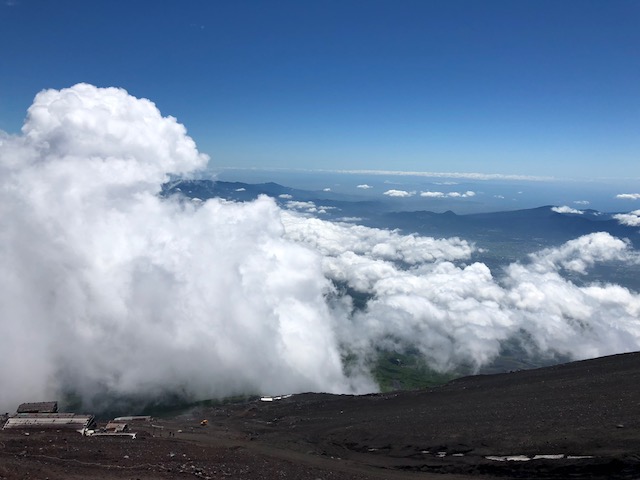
{"x": 581, "y": 202}
{"x": 308, "y": 207}
{"x": 464, "y": 175}
{"x": 364, "y": 186}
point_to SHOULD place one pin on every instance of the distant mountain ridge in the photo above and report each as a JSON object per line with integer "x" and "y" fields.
{"x": 537, "y": 227}
{"x": 540, "y": 222}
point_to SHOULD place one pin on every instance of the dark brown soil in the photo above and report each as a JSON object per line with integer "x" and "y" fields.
{"x": 587, "y": 409}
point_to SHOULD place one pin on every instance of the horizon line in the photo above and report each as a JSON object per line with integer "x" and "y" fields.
{"x": 407, "y": 173}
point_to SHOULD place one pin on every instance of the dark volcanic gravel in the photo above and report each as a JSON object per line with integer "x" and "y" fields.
{"x": 587, "y": 412}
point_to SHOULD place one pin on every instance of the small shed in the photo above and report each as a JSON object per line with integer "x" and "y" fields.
{"x": 38, "y": 407}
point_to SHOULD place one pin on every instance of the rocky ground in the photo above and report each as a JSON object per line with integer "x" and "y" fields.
{"x": 581, "y": 420}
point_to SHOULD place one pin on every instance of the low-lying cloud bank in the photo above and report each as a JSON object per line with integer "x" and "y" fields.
{"x": 108, "y": 288}
{"x": 455, "y": 313}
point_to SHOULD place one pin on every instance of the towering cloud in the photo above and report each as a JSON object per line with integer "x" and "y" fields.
{"x": 106, "y": 287}
{"x": 109, "y": 289}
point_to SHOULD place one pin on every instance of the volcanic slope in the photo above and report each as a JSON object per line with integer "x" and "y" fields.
{"x": 581, "y": 409}
{"x": 581, "y": 420}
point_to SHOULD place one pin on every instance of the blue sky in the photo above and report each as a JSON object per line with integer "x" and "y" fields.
{"x": 544, "y": 88}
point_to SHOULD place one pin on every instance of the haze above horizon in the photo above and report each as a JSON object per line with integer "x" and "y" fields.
{"x": 529, "y": 88}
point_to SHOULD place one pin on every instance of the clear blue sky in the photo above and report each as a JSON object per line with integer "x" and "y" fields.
{"x": 537, "y": 87}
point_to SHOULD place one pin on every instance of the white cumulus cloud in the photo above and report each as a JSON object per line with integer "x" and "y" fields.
{"x": 566, "y": 209}
{"x": 399, "y": 193}
{"x": 364, "y": 186}
{"x": 631, "y": 219}
{"x": 582, "y": 253}
{"x": 433, "y": 194}
{"x": 430, "y": 194}
{"x": 629, "y": 196}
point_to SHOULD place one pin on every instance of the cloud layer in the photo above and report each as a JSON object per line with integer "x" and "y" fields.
{"x": 424, "y": 297}
{"x": 108, "y": 288}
